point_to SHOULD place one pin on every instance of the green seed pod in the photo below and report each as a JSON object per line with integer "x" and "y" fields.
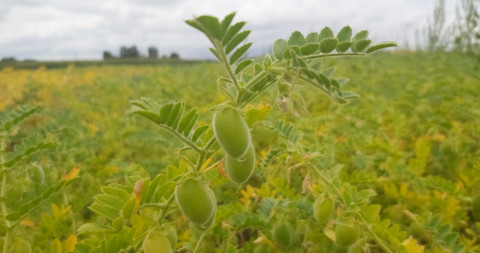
{"x": 172, "y": 237}
{"x": 195, "y": 200}
{"x": 283, "y": 235}
{"x": 231, "y": 131}
{"x": 322, "y": 208}
{"x": 210, "y": 221}
{"x": 157, "y": 242}
{"x": 240, "y": 170}
{"x": 345, "y": 235}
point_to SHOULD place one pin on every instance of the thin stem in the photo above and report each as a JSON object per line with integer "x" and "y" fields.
{"x": 199, "y": 241}
{"x": 331, "y": 55}
{"x": 200, "y": 160}
{"x": 3, "y": 191}
{"x": 373, "y": 235}
{"x": 182, "y": 138}
{"x": 224, "y": 60}
{"x": 165, "y": 208}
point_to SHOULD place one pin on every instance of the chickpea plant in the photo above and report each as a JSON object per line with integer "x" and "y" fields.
{"x": 24, "y": 184}
{"x": 190, "y": 208}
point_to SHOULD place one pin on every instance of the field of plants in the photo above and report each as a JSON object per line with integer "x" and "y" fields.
{"x": 90, "y": 166}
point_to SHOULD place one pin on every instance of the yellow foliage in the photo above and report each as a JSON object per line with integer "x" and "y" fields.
{"x": 411, "y": 246}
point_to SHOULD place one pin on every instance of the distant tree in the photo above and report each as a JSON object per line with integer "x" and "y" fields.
{"x": 123, "y": 52}
{"x": 174, "y": 56}
{"x": 152, "y": 52}
{"x": 107, "y": 55}
{"x": 436, "y": 39}
{"x": 468, "y": 27}
{"x": 129, "y": 52}
{"x": 9, "y": 59}
{"x": 132, "y": 52}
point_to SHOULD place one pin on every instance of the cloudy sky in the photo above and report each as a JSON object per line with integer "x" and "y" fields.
{"x": 66, "y": 29}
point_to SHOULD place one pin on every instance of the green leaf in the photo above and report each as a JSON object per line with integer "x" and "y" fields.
{"x": 328, "y": 45}
{"x": 227, "y": 21}
{"x": 232, "y": 31}
{"x": 371, "y": 213}
{"x": 361, "y": 45}
{"x": 106, "y": 211}
{"x": 362, "y": 35}
{"x": 312, "y": 38}
{"x": 381, "y": 45}
{"x": 345, "y": 34}
{"x": 208, "y": 25}
{"x": 18, "y": 115}
{"x": 309, "y": 48}
{"x": 272, "y": 154}
{"x": 285, "y": 130}
{"x": 188, "y": 121}
{"x": 239, "y": 52}
{"x": 236, "y": 41}
{"x": 174, "y": 115}
{"x": 26, "y": 208}
{"x": 344, "y": 46}
{"x": 29, "y": 147}
{"x": 114, "y": 191}
{"x": 349, "y": 95}
{"x": 198, "y": 132}
{"x": 110, "y": 200}
{"x": 255, "y": 114}
{"x": 242, "y": 65}
{"x": 326, "y": 33}
{"x": 450, "y": 239}
{"x": 128, "y": 208}
{"x": 279, "y": 48}
{"x": 93, "y": 228}
{"x": 296, "y": 39}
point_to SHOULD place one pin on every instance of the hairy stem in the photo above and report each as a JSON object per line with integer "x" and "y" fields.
{"x": 331, "y": 55}
{"x": 199, "y": 241}
{"x": 185, "y": 140}
{"x": 223, "y": 58}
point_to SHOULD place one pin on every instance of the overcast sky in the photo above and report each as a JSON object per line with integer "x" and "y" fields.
{"x": 82, "y": 29}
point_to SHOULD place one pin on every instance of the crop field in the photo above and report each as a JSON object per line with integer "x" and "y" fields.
{"x": 396, "y": 170}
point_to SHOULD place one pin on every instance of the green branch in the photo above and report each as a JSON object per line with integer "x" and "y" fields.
{"x": 331, "y": 55}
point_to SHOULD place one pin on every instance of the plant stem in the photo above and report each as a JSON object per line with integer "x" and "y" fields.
{"x": 185, "y": 140}
{"x": 199, "y": 241}
{"x": 331, "y": 55}
{"x": 224, "y": 60}
{"x": 3, "y": 191}
{"x": 379, "y": 241}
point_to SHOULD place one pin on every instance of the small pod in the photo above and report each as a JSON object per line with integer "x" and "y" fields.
{"x": 283, "y": 235}
{"x": 231, "y": 131}
{"x": 322, "y": 208}
{"x": 345, "y": 235}
{"x": 240, "y": 170}
{"x": 157, "y": 242}
{"x": 196, "y": 201}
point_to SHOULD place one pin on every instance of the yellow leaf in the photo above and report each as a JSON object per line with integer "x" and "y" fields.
{"x": 56, "y": 211}
{"x": 56, "y": 246}
{"x": 70, "y": 175}
{"x": 27, "y": 223}
{"x": 247, "y": 194}
{"x": 70, "y": 242}
{"x": 411, "y": 246}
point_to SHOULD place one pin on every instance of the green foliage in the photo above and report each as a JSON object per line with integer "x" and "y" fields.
{"x": 400, "y": 167}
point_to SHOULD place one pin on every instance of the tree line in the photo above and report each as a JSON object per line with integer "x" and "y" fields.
{"x": 133, "y": 52}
